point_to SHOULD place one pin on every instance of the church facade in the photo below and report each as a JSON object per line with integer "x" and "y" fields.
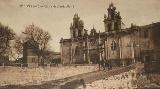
{"x": 117, "y": 45}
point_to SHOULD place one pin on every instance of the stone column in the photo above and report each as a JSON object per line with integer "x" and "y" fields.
{"x": 71, "y": 53}
{"x": 112, "y": 25}
{"x": 120, "y": 51}
{"x": 88, "y": 58}
{"x": 61, "y": 48}
{"x": 99, "y": 48}
{"x": 133, "y": 52}
{"x": 106, "y": 50}
{"x": 76, "y": 33}
{"x": 84, "y": 55}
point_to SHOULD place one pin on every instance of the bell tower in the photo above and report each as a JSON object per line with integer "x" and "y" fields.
{"x": 112, "y": 21}
{"x": 77, "y": 27}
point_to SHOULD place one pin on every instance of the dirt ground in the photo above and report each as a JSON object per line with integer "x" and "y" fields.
{"x": 28, "y": 76}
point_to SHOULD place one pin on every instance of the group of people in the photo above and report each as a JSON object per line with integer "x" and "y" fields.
{"x": 105, "y": 64}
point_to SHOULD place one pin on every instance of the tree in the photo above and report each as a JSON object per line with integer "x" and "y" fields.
{"x": 17, "y": 49}
{"x": 40, "y": 36}
{"x": 6, "y": 34}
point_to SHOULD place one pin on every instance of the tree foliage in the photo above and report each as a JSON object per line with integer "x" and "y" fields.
{"x": 40, "y": 36}
{"x": 17, "y": 50}
{"x": 6, "y": 34}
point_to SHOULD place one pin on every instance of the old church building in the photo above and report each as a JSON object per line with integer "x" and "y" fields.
{"x": 117, "y": 45}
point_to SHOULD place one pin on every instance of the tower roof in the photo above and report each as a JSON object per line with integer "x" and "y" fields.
{"x": 93, "y": 31}
{"x": 111, "y": 4}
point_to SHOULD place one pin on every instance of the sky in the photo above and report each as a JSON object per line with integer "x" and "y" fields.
{"x": 16, "y": 15}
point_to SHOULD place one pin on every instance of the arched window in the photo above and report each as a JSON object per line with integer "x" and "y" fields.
{"x": 74, "y": 33}
{"x": 79, "y": 32}
{"x": 116, "y": 26}
{"x": 113, "y": 45}
{"x": 109, "y": 27}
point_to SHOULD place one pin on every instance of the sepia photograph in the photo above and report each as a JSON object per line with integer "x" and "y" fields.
{"x": 79, "y": 44}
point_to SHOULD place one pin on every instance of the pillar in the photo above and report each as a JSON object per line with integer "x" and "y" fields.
{"x": 84, "y": 52}
{"x": 112, "y": 25}
{"x": 105, "y": 50}
{"x": 61, "y": 48}
{"x": 88, "y": 58}
{"x": 71, "y": 53}
{"x": 120, "y": 51}
{"x": 99, "y": 48}
{"x": 76, "y": 33}
{"x": 84, "y": 56}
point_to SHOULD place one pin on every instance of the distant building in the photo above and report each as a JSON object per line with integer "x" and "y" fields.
{"x": 51, "y": 57}
{"x": 117, "y": 45}
{"x": 30, "y": 53}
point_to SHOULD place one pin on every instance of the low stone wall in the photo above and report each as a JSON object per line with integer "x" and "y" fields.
{"x": 74, "y": 81}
